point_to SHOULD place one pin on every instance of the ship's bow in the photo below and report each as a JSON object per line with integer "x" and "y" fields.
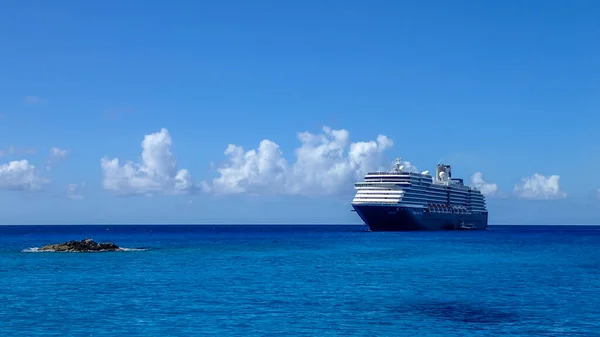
{"x": 390, "y": 218}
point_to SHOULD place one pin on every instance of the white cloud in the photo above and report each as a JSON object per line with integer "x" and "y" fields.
{"x": 32, "y": 99}
{"x": 157, "y": 173}
{"x": 74, "y": 190}
{"x": 59, "y": 153}
{"x": 487, "y": 189}
{"x": 251, "y": 171}
{"x": 55, "y": 156}
{"x": 408, "y": 167}
{"x": 540, "y": 187}
{"x": 325, "y": 164}
{"x": 20, "y": 175}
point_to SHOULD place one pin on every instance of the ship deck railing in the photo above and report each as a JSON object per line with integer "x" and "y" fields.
{"x": 394, "y": 173}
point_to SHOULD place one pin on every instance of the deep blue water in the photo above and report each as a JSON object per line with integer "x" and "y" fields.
{"x": 302, "y": 281}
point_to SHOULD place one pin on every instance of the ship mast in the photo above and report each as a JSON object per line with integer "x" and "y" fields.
{"x": 398, "y": 167}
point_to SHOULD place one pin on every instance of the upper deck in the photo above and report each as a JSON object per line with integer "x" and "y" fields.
{"x": 407, "y": 187}
{"x": 404, "y": 178}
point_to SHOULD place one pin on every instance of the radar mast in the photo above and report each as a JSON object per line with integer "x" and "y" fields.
{"x": 398, "y": 167}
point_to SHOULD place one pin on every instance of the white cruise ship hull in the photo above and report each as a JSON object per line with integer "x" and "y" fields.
{"x": 406, "y": 218}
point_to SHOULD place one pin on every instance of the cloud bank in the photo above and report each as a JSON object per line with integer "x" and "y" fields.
{"x": 325, "y": 163}
{"x": 538, "y": 186}
{"x": 157, "y": 173}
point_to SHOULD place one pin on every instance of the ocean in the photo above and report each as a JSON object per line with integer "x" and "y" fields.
{"x": 297, "y": 280}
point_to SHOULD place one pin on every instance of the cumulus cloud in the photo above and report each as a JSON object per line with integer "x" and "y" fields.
{"x": 324, "y": 163}
{"x": 20, "y": 175}
{"x": 157, "y": 172}
{"x": 409, "y": 167}
{"x": 540, "y": 187}
{"x": 74, "y": 190}
{"x": 487, "y": 189}
{"x": 251, "y": 171}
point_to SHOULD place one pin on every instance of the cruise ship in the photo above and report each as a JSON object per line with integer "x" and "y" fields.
{"x": 399, "y": 200}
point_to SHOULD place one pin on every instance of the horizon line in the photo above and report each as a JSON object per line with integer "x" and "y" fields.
{"x": 250, "y": 224}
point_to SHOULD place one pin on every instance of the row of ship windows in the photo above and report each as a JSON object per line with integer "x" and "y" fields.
{"x": 431, "y": 187}
{"x": 418, "y": 194}
{"x": 442, "y": 189}
{"x": 389, "y": 179}
{"x": 456, "y": 193}
{"x": 418, "y": 200}
{"x": 399, "y": 176}
{"x": 414, "y": 198}
{"x": 425, "y": 191}
{"x": 424, "y": 183}
{"x": 396, "y": 174}
{"x": 405, "y": 195}
{"x": 473, "y": 210}
{"x": 443, "y": 202}
{"x": 423, "y": 197}
{"x": 409, "y": 199}
{"x": 404, "y": 178}
{"x": 436, "y": 209}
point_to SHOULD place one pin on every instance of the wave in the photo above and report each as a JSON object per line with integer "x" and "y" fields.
{"x": 122, "y": 249}
{"x": 31, "y": 250}
{"x": 134, "y": 249}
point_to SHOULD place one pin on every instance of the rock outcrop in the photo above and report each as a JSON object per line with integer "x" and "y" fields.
{"x": 87, "y": 245}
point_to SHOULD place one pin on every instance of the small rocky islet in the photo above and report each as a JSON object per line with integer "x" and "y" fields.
{"x": 86, "y": 245}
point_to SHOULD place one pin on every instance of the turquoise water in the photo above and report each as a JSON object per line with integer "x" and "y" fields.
{"x": 301, "y": 281}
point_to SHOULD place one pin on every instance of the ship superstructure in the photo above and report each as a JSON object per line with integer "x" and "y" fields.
{"x": 401, "y": 199}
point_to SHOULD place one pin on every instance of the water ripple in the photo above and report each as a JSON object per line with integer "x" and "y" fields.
{"x": 329, "y": 281}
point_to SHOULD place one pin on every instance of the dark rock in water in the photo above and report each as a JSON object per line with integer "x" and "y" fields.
{"x": 87, "y": 245}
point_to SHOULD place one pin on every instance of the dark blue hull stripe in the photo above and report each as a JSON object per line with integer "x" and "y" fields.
{"x": 394, "y": 218}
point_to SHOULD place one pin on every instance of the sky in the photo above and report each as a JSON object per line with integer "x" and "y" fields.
{"x": 269, "y": 111}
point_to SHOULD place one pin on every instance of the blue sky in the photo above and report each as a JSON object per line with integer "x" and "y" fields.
{"x": 508, "y": 89}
